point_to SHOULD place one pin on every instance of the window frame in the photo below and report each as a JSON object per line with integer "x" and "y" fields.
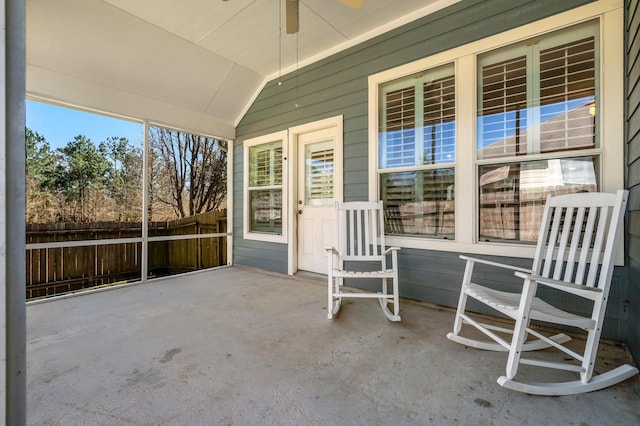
{"x": 281, "y": 237}
{"x": 610, "y": 94}
{"x": 416, "y": 83}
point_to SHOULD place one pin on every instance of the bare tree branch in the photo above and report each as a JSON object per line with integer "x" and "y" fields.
{"x": 189, "y": 171}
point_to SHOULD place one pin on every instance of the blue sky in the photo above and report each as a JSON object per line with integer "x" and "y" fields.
{"x": 61, "y": 125}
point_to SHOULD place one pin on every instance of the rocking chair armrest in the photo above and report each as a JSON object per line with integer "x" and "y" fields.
{"x": 577, "y": 289}
{"x": 390, "y": 249}
{"x": 497, "y": 264}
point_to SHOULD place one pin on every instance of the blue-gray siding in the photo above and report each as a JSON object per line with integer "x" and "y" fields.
{"x": 338, "y": 85}
{"x": 632, "y": 47}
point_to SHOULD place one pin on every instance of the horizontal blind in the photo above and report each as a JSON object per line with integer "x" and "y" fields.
{"x": 267, "y": 165}
{"x": 567, "y": 96}
{"x": 400, "y": 123}
{"x": 439, "y": 120}
{"x": 503, "y": 101}
{"x": 263, "y": 167}
{"x": 320, "y": 175}
{"x": 277, "y": 165}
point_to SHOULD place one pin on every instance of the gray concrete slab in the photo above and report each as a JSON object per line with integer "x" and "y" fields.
{"x": 243, "y": 347}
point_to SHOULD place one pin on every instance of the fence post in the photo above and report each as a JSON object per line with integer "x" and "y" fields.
{"x": 198, "y": 242}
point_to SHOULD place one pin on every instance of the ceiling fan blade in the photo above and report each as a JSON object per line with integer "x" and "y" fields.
{"x": 292, "y": 16}
{"x": 353, "y": 4}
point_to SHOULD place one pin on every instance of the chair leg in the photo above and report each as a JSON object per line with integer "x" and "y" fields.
{"x": 396, "y": 293}
{"x": 462, "y": 302}
{"x": 384, "y": 301}
{"x": 589, "y": 356}
{"x": 396, "y": 296}
{"x": 520, "y": 328}
{"x": 384, "y": 286}
{"x": 333, "y": 290}
{"x": 462, "y": 305}
{"x": 335, "y": 300}
{"x": 330, "y": 298}
{"x": 519, "y": 335}
{"x": 339, "y": 282}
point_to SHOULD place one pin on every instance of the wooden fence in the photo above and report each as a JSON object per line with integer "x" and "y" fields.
{"x": 59, "y": 270}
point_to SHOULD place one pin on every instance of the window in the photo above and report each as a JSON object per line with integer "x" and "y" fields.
{"x": 417, "y": 153}
{"x": 265, "y": 178}
{"x": 319, "y": 172}
{"x": 535, "y": 98}
{"x": 465, "y": 145}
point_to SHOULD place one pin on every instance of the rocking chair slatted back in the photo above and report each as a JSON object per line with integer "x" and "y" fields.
{"x": 578, "y": 236}
{"x": 359, "y": 226}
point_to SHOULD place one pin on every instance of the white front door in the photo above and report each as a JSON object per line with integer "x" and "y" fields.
{"x": 316, "y": 197}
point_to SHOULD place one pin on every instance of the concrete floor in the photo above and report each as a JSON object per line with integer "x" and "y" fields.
{"x": 242, "y": 347}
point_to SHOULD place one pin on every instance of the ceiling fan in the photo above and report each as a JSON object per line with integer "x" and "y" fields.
{"x": 293, "y": 13}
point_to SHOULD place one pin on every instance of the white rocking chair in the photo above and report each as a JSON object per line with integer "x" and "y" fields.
{"x": 359, "y": 226}
{"x": 575, "y": 254}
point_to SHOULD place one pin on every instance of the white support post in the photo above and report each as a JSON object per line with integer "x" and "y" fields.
{"x": 229, "y": 238}
{"x": 145, "y": 205}
{"x": 12, "y": 215}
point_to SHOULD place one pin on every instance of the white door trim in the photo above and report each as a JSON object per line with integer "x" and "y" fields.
{"x": 292, "y": 176}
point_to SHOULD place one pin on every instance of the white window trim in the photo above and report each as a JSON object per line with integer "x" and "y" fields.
{"x": 259, "y": 236}
{"x": 610, "y": 13}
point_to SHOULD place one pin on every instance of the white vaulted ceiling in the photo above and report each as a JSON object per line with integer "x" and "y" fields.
{"x": 196, "y": 64}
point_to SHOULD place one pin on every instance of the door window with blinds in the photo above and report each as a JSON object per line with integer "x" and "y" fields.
{"x": 265, "y": 194}
{"x": 416, "y": 153}
{"x": 319, "y": 164}
{"x": 538, "y": 98}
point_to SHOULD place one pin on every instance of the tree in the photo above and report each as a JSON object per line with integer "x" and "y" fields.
{"x": 188, "y": 172}
{"x": 40, "y": 163}
{"x": 82, "y": 182}
{"x": 81, "y": 169}
{"x": 124, "y": 177}
{"x": 39, "y": 156}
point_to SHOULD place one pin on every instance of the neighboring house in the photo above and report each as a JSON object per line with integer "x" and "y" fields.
{"x": 462, "y": 122}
